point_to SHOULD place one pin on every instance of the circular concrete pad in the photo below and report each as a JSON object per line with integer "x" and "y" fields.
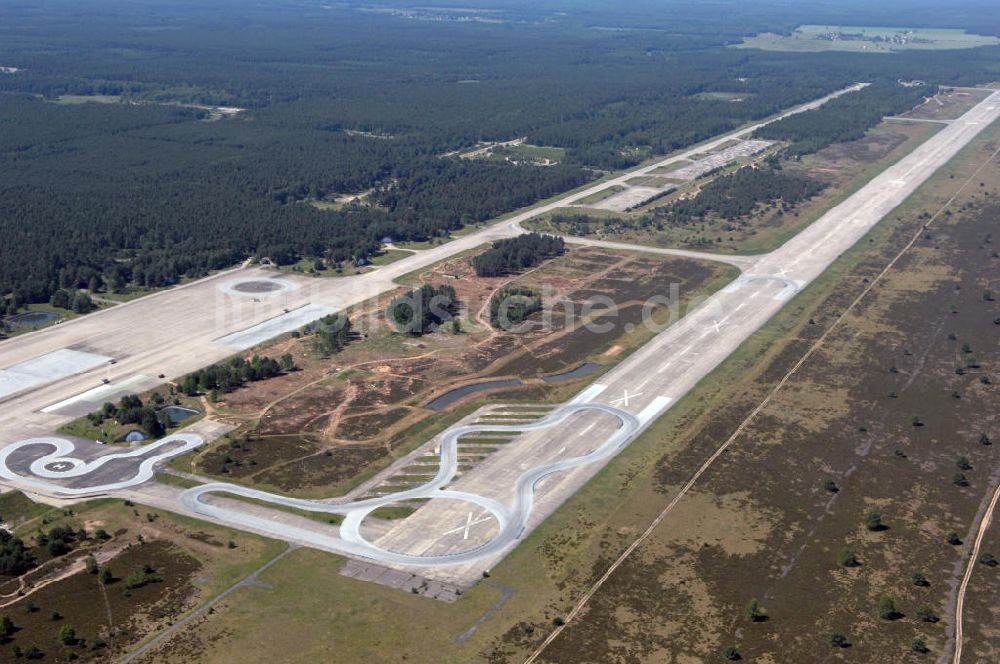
{"x": 257, "y": 288}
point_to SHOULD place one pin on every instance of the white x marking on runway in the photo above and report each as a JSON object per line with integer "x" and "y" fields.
{"x": 469, "y": 523}
{"x": 625, "y": 398}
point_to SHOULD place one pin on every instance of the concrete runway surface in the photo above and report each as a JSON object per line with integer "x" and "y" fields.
{"x": 472, "y": 520}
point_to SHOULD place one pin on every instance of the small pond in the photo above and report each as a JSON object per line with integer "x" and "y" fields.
{"x": 178, "y": 414}
{"x": 32, "y": 318}
{"x": 452, "y": 396}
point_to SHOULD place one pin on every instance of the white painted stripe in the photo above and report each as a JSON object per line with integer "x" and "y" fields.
{"x": 95, "y": 394}
{"x": 276, "y": 326}
{"x": 589, "y": 394}
{"x": 653, "y": 410}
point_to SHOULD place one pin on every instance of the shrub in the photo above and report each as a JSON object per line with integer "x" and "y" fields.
{"x": 753, "y": 612}
{"x": 731, "y": 653}
{"x": 838, "y": 640}
{"x": 847, "y": 558}
{"x": 873, "y": 520}
{"x": 887, "y": 608}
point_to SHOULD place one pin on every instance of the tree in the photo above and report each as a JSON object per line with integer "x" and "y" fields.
{"x": 330, "y": 333}
{"x": 963, "y": 463}
{"x": 14, "y": 557}
{"x": 421, "y": 311}
{"x": 512, "y": 305}
{"x": 984, "y": 439}
{"x": 104, "y": 575}
{"x": 189, "y": 385}
{"x": 67, "y": 635}
{"x": 82, "y": 304}
{"x": 514, "y": 255}
{"x": 927, "y": 614}
{"x": 287, "y": 362}
{"x": 151, "y": 424}
{"x": 831, "y": 486}
{"x": 920, "y": 580}
{"x": 91, "y": 563}
{"x": 953, "y": 538}
{"x": 988, "y": 559}
{"x": 918, "y": 645}
{"x": 887, "y": 608}
{"x": 959, "y": 479}
{"x": 60, "y": 299}
{"x": 753, "y": 612}
{"x": 7, "y": 628}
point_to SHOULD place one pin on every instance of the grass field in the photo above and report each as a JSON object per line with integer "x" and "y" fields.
{"x": 601, "y": 195}
{"x": 529, "y": 153}
{"x": 191, "y": 561}
{"x": 813, "y": 38}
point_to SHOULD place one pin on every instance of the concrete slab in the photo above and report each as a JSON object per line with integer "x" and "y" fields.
{"x": 46, "y": 369}
{"x": 276, "y": 326}
{"x": 98, "y": 395}
{"x": 719, "y": 159}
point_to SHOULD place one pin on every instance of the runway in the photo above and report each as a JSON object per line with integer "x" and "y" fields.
{"x": 518, "y": 486}
{"x": 172, "y": 333}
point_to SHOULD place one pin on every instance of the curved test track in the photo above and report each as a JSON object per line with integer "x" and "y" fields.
{"x": 511, "y": 519}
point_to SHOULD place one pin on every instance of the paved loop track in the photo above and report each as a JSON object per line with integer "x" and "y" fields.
{"x": 174, "y": 445}
{"x": 511, "y": 518}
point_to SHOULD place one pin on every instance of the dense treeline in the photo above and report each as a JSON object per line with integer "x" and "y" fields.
{"x": 424, "y": 190}
{"x": 14, "y": 556}
{"x": 423, "y": 310}
{"x": 234, "y": 373}
{"x": 200, "y": 205}
{"x": 737, "y": 194}
{"x": 343, "y": 101}
{"x": 512, "y": 305}
{"x": 329, "y": 334}
{"x": 846, "y": 118}
{"x": 516, "y": 254}
{"x": 131, "y": 410}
